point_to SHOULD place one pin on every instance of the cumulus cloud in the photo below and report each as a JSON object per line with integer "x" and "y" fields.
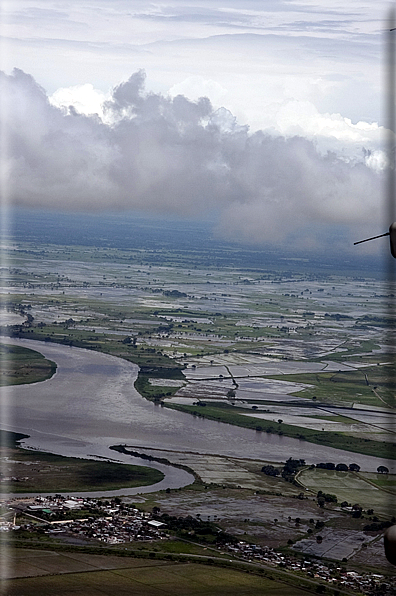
{"x": 332, "y": 132}
{"x": 180, "y": 157}
{"x": 196, "y": 86}
{"x": 84, "y": 98}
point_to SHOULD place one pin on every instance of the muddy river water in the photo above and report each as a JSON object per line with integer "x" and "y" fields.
{"x": 91, "y": 403}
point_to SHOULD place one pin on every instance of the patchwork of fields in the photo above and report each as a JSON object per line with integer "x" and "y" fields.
{"x": 287, "y": 346}
{"x": 49, "y": 573}
{"x": 292, "y": 353}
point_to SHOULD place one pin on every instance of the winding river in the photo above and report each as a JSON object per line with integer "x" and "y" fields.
{"x": 91, "y": 403}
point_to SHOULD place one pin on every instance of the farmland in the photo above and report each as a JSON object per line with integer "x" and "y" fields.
{"x": 281, "y": 351}
{"x": 58, "y": 573}
{"x": 364, "y": 489}
{"x": 254, "y": 346}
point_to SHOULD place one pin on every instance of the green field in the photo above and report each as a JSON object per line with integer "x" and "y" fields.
{"x": 384, "y": 481}
{"x": 21, "y": 365}
{"x": 353, "y": 488}
{"x": 72, "y": 574}
{"x": 45, "y": 472}
{"x": 346, "y": 387}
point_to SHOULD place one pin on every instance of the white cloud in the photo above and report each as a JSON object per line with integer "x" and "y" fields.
{"x": 306, "y": 72}
{"x": 83, "y": 98}
{"x": 377, "y": 160}
{"x": 260, "y": 53}
{"x": 180, "y": 157}
{"x": 292, "y": 117}
{"x": 196, "y": 86}
{"x": 330, "y": 132}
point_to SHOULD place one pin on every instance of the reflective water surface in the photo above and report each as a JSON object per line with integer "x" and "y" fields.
{"x": 91, "y": 403}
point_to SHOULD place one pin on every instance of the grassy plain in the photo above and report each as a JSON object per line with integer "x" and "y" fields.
{"x": 345, "y": 387}
{"x": 65, "y": 573}
{"x": 44, "y": 472}
{"x": 365, "y": 489}
{"x": 20, "y": 365}
{"x": 384, "y": 481}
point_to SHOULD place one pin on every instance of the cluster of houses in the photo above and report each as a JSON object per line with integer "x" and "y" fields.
{"x": 6, "y": 526}
{"x": 108, "y": 522}
{"x": 367, "y": 583}
{"x": 113, "y": 529}
{"x": 116, "y": 522}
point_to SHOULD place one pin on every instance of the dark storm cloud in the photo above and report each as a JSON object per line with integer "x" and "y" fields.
{"x": 173, "y": 156}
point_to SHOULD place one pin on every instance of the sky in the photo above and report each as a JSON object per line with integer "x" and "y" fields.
{"x": 264, "y": 118}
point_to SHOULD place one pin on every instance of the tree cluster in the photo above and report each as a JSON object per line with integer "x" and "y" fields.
{"x": 325, "y": 498}
{"x": 270, "y": 470}
{"x": 204, "y": 531}
{"x": 376, "y": 526}
{"x": 339, "y": 467}
{"x": 291, "y": 467}
{"x": 288, "y": 471}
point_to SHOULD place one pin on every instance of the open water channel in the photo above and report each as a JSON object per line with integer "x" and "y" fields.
{"x": 91, "y": 403}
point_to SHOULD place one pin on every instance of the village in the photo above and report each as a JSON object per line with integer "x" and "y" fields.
{"x": 86, "y": 520}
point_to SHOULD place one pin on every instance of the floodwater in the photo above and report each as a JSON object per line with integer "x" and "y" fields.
{"x": 10, "y": 318}
{"x": 91, "y": 403}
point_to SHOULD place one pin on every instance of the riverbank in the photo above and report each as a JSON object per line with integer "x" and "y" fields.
{"x": 58, "y": 420}
{"x": 26, "y": 471}
{"x": 153, "y": 364}
{"x": 232, "y": 415}
{"x": 20, "y": 365}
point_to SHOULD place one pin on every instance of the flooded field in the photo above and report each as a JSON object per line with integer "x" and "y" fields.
{"x": 265, "y": 519}
{"x": 348, "y": 487}
{"x": 301, "y": 355}
{"x": 279, "y": 346}
{"x": 334, "y": 544}
{"x": 91, "y": 404}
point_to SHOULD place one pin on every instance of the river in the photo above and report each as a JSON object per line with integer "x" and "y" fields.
{"x": 91, "y": 403}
